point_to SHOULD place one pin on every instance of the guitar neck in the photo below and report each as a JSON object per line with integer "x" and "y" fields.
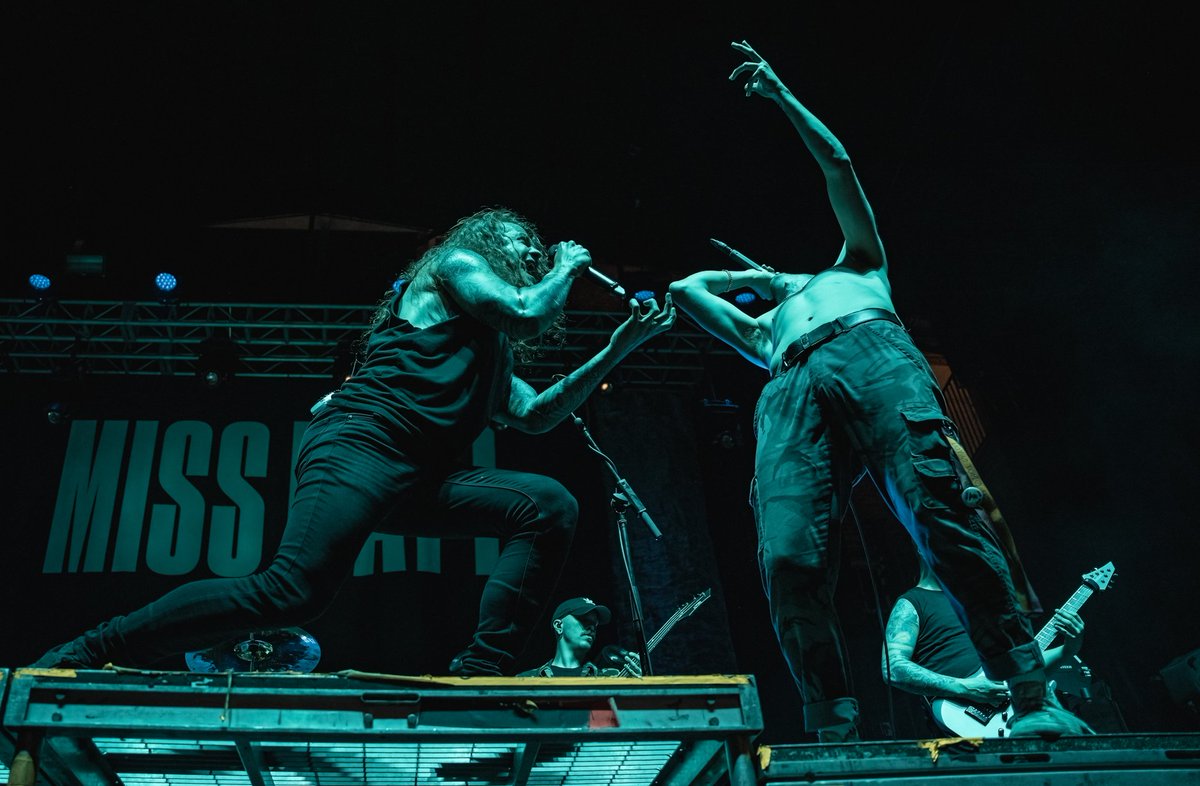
{"x": 1073, "y": 604}
{"x": 666, "y": 628}
{"x": 679, "y": 614}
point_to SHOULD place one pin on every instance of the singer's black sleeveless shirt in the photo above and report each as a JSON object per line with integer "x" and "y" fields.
{"x": 437, "y": 388}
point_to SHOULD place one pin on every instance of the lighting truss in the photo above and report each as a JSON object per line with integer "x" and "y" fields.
{"x": 294, "y": 341}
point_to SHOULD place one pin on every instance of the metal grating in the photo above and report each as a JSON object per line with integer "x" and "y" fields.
{"x": 183, "y": 729}
{"x": 186, "y": 763}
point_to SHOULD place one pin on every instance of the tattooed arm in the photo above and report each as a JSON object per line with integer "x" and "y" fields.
{"x": 536, "y": 413}
{"x": 901, "y": 672}
{"x": 519, "y": 312}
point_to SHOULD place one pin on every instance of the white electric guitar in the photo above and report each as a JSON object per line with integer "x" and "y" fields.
{"x": 989, "y": 720}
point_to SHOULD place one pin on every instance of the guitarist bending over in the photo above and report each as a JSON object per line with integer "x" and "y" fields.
{"x": 928, "y": 652}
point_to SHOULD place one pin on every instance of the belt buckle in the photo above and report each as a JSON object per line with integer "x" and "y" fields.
{"x": 804, "y": 341}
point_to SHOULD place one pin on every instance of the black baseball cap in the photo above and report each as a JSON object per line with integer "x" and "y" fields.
{"x": 577, "y": 607}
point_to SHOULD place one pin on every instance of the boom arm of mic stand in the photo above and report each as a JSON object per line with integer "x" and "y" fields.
{"x": 623, "y": 485}
{"x": 623, "y": 498}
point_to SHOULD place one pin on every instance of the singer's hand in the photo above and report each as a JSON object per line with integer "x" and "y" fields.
{"x": 646, "y": 320}
{"x": 633, "y": 662}
{"x": 761, "y": 77}
{"x": 572, "y": 256}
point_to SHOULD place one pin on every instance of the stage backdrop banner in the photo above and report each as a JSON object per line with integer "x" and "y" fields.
{"x": 149, "y": 483}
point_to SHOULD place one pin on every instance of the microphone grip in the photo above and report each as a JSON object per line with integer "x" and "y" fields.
{"x": 603, "y": 280}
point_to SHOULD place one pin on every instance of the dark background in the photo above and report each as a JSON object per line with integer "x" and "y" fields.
{"x": 1032, "y": 170}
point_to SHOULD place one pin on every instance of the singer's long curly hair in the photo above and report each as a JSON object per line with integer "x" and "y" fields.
{"x": 483, "y": 233}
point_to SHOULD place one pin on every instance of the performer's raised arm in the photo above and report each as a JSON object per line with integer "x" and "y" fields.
{"x": 699, "y": 295}
{"x": 863, "y": 249}
{"x": 535, "y": 412}
{"x": 521, "y": 312}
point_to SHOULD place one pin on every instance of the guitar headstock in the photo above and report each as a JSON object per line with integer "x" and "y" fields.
{"x": 1100, "y": 577}
{"x": 695, "y": 603}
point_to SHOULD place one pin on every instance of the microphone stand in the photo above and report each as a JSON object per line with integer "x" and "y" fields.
{"x": 623, "y": 498}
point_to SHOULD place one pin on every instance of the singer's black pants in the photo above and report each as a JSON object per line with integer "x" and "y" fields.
{"x": 867, "y": 399}
{"x": 352, "y": 477}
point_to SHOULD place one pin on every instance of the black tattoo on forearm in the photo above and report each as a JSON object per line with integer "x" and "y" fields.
{"x": 899, "y": 669}
{"x": 559, "y": 400}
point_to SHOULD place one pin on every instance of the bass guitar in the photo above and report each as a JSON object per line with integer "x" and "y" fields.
{"x": 966, "y": 719}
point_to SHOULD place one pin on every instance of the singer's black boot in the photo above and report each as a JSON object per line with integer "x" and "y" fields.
{"x": 88, "y": 651}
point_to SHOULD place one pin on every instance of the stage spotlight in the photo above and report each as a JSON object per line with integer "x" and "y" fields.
{"x": 745, "y": 298}
{"x": 217, "y": 361}
{"x": 399, "y": 283}
{"x": 57, "y": 413}
{"x": 606, "y": 387}
{"x": 721, "y": 423}
{"x": 166, "y": 283}
{"x": 642, "y": 295}
{"x": 40, "y": 283}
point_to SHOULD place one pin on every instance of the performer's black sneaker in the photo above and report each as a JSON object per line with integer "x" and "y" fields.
{"x": 1037, "y": 713}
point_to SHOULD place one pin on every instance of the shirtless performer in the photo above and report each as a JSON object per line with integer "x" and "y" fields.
{"x": 849, "y": 391}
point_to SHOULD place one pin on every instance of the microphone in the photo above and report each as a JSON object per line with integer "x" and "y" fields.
{"x": 738, "y": 256}
{"x": 612, "y": 286}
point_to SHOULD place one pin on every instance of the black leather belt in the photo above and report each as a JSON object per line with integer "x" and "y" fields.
{"x": 818, "y": 336}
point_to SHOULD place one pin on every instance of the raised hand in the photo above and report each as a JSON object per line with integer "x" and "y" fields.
{"x": 760, "y": 77}
{"x": 646, "y": 320}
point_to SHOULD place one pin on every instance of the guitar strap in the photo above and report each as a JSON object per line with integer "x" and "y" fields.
{"x": 990, "y": 513}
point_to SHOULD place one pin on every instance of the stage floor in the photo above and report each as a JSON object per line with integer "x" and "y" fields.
{"x": 175, "y": 728}
{"x": 185, "y": 728}
{"x": 1100, "y": 760}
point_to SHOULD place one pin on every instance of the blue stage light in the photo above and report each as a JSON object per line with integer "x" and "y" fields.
{"x": 399, "y": 283}
{"x": 643, "y": 294}
{"x": 39, "y": 282}
{"x": 165, "y": 282}
{"x": 745, "y": 298}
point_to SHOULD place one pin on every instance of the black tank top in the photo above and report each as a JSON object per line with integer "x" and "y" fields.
{"x": 438, "y": 387}
{"x": 942, "y": 643}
